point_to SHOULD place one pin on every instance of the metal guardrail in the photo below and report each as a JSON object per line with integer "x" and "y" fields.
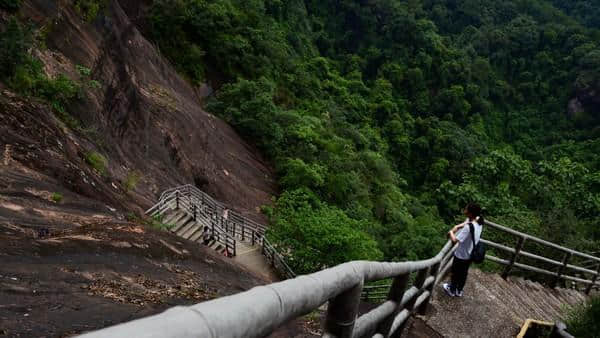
{"x": 562, "y": 266}
{"x": 197, "y": 207}
{"x": 225, "y": 229}
{"x": 259, "y": 311}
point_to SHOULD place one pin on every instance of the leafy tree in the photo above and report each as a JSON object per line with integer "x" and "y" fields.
{"x": 316, "y": 236}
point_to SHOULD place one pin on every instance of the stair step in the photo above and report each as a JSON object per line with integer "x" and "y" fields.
{"x": 176, "y": 222}
{"x": 180, "y": 223}
{"x": 188, "y": 224}
{"x": 171, "y": 217}
{"x": 197, "y": 235}
{"x": 196, "y": 228}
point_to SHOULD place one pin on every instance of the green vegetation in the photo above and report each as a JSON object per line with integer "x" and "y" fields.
{"x": 89, "y": 9}
{"x": 154, "y": 222}
{"x": 25, "y": 74}
{"x": 56, "y": 197}
{"x": 97, "y": 161}
{"x": 583, "y": 319}
{"x": 133, "y": 177}
{"x": 10, "y": 5}
{"x": 383, "y": 118}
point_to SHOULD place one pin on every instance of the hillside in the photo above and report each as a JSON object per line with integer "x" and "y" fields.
{"x": 94, "y": 123}
{"x": 384, "y": 118}
{"x": 130, "y": 108}
{"x": 356, "y": 129}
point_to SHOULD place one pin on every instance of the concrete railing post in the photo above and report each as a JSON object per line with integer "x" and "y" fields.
{"x": 395, "y": 294}
{"x": 561, "y": 269}
{"x": 514, "y": 257}
{"x": 594, "y": 279}
{"x": 433, "y": 271}
{"x": 410, "y": 306}
{"x": 272, "y": 258}
{"x": 341, "y": 313}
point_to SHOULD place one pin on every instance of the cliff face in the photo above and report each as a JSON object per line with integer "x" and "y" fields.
{"x": 145, "y": 119}
{"x": 70, "y": 261}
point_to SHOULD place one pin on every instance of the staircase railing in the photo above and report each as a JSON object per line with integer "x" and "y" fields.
{"x": 226, "y": 225}
{"x": 196, "y": 203}
{"x": 562, "y": 267}
{"x": 592, "y": 279}
{"x": 259, "y": 311}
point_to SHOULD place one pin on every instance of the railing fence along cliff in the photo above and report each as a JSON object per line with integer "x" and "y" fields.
{"x": 588, "y": 278}
{"x": 259, "y": 311}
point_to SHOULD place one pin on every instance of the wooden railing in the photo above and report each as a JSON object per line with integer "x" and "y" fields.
{"x": 259, "y": 311}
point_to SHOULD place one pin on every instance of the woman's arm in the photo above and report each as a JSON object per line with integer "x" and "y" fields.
{"x": 452, "y": 232}
{"x": 452, "y": 236}
{"x": 459, "y": 226}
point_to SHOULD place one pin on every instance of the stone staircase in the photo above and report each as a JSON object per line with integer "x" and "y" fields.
{"x": 195, "y": 216}
{"x": 199, "y": 230}
{"x": 494, "y": 307}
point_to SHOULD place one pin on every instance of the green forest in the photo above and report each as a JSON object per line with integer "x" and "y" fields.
{"x": 383, "y": 118}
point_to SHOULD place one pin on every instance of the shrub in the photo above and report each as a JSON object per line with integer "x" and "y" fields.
{"x": 10, "y": 5}
{"x": 97, "y": 161}
{"x": 15, "y": 40}
{"x": 314, "y": 235}
{"x": 133, "y": 177}
{"x": 56, "y": 197}
{"x": 582, "y": 321}
{"x": 89, "y": 9}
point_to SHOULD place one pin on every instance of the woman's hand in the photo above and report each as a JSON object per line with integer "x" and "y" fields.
{"x": 452, "y": 236}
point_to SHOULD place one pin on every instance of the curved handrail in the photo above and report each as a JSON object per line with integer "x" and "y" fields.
{"x": 257, "y": 312}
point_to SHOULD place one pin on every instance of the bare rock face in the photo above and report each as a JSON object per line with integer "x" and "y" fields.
{"x": 584, "y": 107}
{"x": 140, "y": 115}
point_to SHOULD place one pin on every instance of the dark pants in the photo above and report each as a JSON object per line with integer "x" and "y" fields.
{"x": 460, "y": 270}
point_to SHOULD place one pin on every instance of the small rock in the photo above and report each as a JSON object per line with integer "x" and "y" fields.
{"x": 26, "y": 315}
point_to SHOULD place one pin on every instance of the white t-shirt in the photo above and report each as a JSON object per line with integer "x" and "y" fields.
{"x": 465, "y": 243}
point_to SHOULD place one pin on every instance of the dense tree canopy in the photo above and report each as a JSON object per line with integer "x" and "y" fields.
{"x": 384, "y": 117}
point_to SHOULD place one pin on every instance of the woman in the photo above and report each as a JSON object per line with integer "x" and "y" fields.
{"x": 461, "y": 233}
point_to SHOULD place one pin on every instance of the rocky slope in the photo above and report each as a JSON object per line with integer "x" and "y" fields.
{"x": 141, "y": 116}
{"x": 75, "y": 255}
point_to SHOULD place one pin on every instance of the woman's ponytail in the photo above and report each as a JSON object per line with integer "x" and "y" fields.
{"x": 476, "y": 211}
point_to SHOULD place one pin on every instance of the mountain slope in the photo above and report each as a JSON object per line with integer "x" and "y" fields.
{"x": 139, "y": 114}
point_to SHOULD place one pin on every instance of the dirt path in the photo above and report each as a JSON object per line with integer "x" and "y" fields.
{"x": 252, "y": 259}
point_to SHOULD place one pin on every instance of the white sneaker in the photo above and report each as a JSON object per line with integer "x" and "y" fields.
{"x": 448, "y": 290}
{"x": 459, "y": 294}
